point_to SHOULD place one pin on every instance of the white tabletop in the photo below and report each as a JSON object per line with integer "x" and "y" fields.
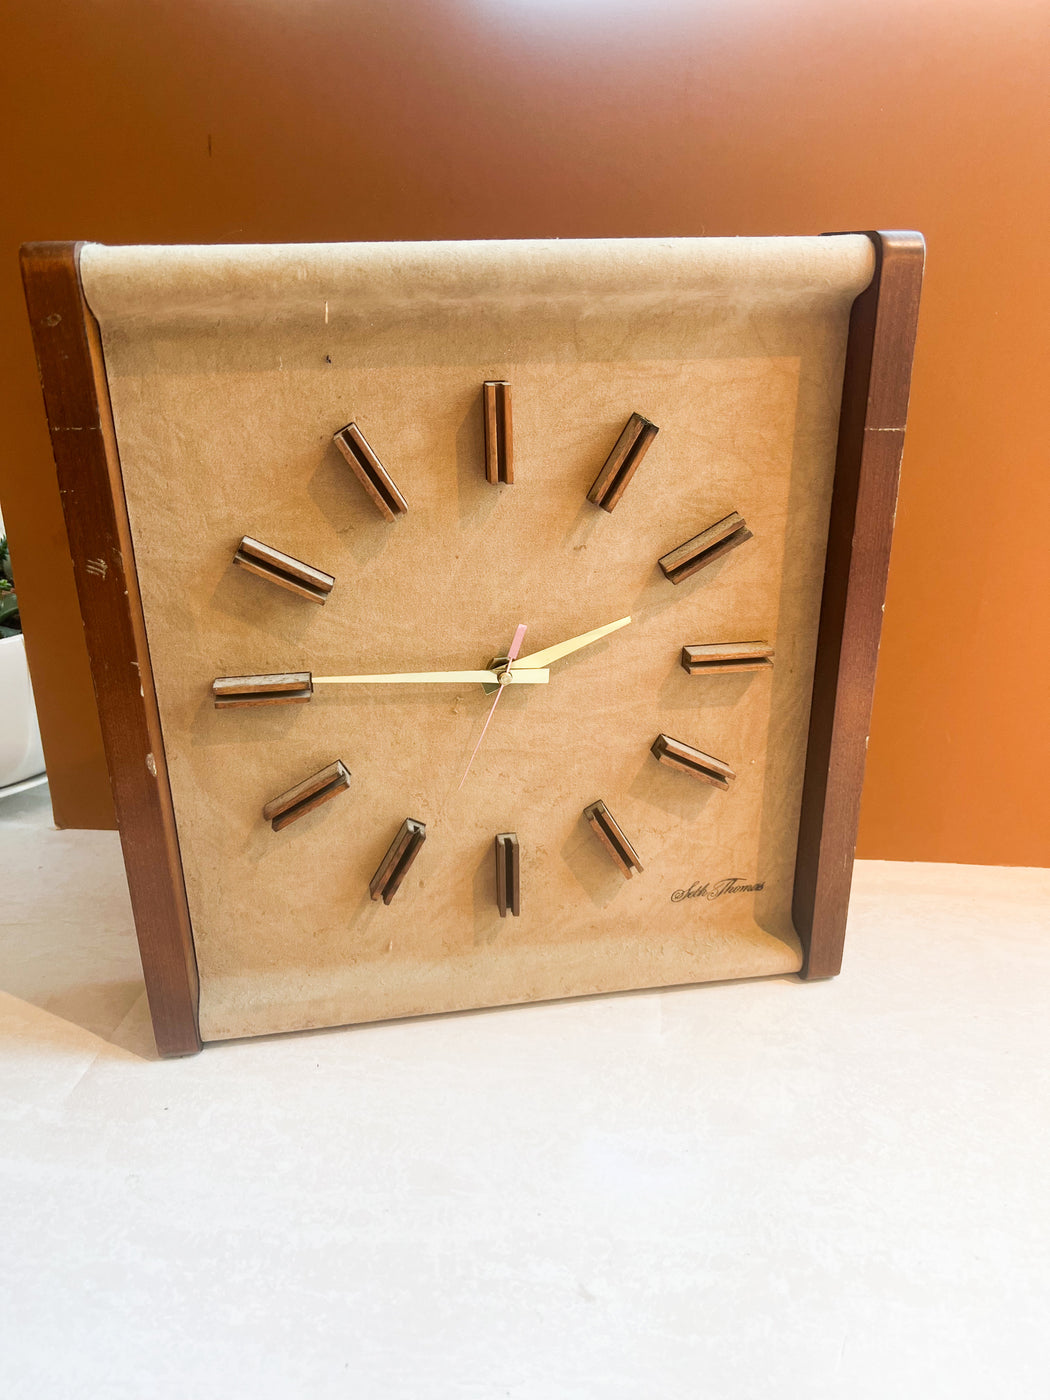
{"x": 749, "y": 1190}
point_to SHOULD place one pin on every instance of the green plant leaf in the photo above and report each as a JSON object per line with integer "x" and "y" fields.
{"x": 9, "y": 619}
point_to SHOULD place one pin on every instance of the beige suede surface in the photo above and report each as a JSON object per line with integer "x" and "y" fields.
{"x": 231, "y": 367}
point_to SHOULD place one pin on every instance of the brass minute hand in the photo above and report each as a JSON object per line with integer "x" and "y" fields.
{"x": 540, "y": 660}
{"x": 535, "y": 677}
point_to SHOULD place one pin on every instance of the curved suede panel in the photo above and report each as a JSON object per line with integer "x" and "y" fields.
{"x": 230, "y": 368}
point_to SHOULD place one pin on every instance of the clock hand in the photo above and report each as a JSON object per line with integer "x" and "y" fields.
{"x": 505, "y": 677}
{"x": 530, "y": 670}
{"x": 440, "y": 678}
{"x": 540, "y": 659}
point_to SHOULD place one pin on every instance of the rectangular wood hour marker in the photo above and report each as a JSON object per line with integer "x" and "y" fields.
{"x": 394, "y": 866}
{"x": 307, "y": 795}
{"x": 622, "y": 462}
{"x": 610, "y": 834}
{"x": 282, "y": 569}
{"x": 499, "y": 433}
{"x": 288, "y": 688}
{"x": 508, "y": 874}
{"x": 689, "y": 760}
{"x": 370, "y": 472}
{"x": 705, "y": 548}
{"x": 717, "y": 657}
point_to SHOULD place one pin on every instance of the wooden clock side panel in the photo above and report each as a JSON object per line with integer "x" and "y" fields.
{"x": 73, "y": 377}
{"x": 875, "y": 391}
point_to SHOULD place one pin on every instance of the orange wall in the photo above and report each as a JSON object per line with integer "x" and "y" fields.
{"x": 273, "y": 120}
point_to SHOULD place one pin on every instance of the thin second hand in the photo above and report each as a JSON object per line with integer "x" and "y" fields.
{"x": 515, "y": 647}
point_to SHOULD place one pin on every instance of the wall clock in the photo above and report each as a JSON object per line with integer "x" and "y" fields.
{"x": 478, "y": 623}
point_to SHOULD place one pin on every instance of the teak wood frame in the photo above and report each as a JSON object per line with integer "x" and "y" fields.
{"x": 76, "y": 395}
{"x": 875, "y": 393}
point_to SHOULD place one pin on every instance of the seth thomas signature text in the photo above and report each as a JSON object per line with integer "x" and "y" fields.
{"x": 714, "y": 889}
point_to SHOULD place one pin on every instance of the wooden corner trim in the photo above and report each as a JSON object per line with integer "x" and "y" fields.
{"x": 876, "y": 385}
{"x": 71, "y": 364}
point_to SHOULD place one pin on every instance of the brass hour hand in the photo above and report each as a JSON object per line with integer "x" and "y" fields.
{"x": 539, "y": 660}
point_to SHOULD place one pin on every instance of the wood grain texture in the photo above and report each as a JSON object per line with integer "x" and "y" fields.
{"x": 76, "y": 396}
{"x": 703, "y": 549}
{"x": 675, "y": 753}
{"x": 370, "y": 472}
{"x": 312, "y": 792}
{"x": 611, "y": 835}
{"x": 287, "y": 688}
{"x": 282, "y": 569}
{"x": 716, "y": 658}
{"x": 622, "y": 462}
{"x": 876, "y": 386}
{"x": 508, "y": 874}
{"x": 394, "y": 866}
{"x": 499, "y": 432}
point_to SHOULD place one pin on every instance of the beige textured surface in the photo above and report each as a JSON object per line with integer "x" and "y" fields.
{"x": 231, "y": 368}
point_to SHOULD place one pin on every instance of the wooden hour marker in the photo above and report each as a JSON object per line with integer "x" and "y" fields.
{"x": 307, "y": 795}
{"x": 610, "y": 834}
{"x": 370, "y": 471}
{"x": 282, "y": 569}
{"x": 705, "y": 548}
{"x": 289, "y": 688}
{"x": 716, "y": 657}
{"x": 394, "y": 866}
{"x": 499, "y": 434}
{"x": 689, "y": 760}
{"x": 508, "y": 874}
{"x": 622, "y": 462}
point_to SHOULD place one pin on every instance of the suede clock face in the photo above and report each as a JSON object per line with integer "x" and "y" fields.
{"x": 441, "y": 590}
{"x": 289, "y": 811}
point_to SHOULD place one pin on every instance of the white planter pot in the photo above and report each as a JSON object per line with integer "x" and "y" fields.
{"x": 21, "y": 756}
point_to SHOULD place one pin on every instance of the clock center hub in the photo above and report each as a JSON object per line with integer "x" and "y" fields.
{"x": 501, "y": 666}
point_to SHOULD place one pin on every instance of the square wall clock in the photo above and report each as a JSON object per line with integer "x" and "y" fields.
{"x": 478, "y": 623}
